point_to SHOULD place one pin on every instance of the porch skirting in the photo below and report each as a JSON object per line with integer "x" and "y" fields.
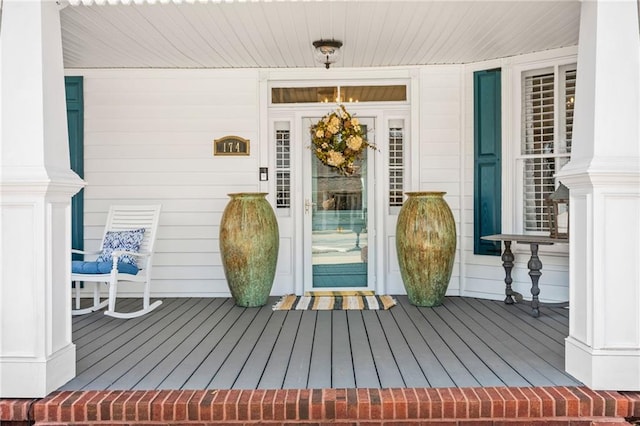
{"x": 450, "y": 406}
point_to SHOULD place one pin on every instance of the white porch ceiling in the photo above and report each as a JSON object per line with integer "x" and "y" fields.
{"x": 280, "y": 34}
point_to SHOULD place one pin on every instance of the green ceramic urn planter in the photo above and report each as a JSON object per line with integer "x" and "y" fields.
{"x": 249, "y": 241}
{"x": 426, "y": 245}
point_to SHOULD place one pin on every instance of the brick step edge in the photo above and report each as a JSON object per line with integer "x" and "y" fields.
{"x": 495, "y": 422}
{"x": 489, "y": 405}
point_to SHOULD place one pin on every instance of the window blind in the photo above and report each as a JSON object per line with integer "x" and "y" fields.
{"x": 546, "y": 145}
{"x": 283, "y": 168}
{"x": 569, "y": 98}
{"x": 396, "y": 165}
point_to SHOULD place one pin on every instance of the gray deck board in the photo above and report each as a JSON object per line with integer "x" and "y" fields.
{"x": 533, "y": 353}
{"x": 85, "y": 325}
{"x": 503, "y": 363}
{"x": 509, "y": 351}
{"x": 434, "y": 372}
{"x": 177, "y": 333}
{"x": 109, "y": 368}
{"x": 527, "y": 336}
{"x": 558, "y": 323}
{"x": 386, "y": 365}
{"x": 321, "y": 364}
{"x": 513, "y": 325}
{"x": 458, "y": 372}
{"x": 248, "y": 344}
{"x": 249, "y": 375}
{"x": 213, "y": 344}
{"x": 365, "y": 369}
{"x": 403, "y": 356}
{"x": 276, "y": 369}
{"x": 186, "y": 368}
{"x": 465, "y": 352}
{"x": 160, "y": 372}
{"x": 141, "y": 353}
{"x": 297, "y": 375}
{"x": 108, "y": 328}
{"x": 121, "y": 342}
{"x": 210, "y": 366}
{"x": 341, "y": 366}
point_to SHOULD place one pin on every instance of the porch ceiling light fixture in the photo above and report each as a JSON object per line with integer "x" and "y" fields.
{"x": 327, "y": 51}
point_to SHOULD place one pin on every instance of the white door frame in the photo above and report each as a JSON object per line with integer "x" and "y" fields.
{"x": 297, "y": 278}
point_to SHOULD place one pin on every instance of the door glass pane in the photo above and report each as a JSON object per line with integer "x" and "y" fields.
{"x": 339, "y": 225}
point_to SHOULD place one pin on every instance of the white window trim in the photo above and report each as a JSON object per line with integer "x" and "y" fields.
{"x": 512, "y": 166}
{"x": 389, "y": 123}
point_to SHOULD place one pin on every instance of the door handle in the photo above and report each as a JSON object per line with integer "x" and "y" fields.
{"x": 307, "y": 205}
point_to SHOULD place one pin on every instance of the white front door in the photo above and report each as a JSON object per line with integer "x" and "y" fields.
{"x": 337, "y": 218}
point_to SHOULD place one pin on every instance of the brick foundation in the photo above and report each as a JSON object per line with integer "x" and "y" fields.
{"x": 444, "y": 406}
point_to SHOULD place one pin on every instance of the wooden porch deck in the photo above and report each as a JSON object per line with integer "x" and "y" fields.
{"x": 201, "y": 344}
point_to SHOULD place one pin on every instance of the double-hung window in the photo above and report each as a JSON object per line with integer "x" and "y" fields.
{"x": 548, "y": 98}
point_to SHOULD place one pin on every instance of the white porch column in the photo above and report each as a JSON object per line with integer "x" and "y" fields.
{"x": 603, "y": 347}
{"x": 36, "y": 185}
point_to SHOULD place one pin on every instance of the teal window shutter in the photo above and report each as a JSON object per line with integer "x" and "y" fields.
{"x": 75, "y": 125}
{"x": 487, "y": 191}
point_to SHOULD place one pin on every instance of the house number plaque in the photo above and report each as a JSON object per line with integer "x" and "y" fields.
{"x": 231, "y": 145}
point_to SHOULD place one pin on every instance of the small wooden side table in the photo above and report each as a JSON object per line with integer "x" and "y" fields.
{"x": 534, "y": 265}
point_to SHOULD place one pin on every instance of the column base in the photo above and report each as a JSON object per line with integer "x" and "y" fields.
{"x": 31, "y": 377}
{"x": 603, "y": 369}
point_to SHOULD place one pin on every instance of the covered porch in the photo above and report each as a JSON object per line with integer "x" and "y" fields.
{"x": 202, "y": 360}
{"x": 207, "y": 361}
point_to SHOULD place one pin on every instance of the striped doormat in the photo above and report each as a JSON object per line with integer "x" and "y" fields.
{"x": 336, "y": 301}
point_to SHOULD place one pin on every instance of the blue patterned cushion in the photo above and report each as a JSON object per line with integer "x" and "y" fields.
{"x": 121, "y": 240}
{"x": 81, "y": 267}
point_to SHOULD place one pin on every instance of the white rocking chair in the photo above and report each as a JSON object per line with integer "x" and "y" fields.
{"x": 121, "y": 221}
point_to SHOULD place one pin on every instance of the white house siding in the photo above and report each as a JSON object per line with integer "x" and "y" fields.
{"x": 149, "y": 139}
{"x": 440, "y": 143}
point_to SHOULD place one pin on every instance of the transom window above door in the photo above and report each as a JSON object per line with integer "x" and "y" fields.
{"x": 340, "y": 94}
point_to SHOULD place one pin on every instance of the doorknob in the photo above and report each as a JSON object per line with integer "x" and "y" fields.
{"x": 307, "y": 205}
